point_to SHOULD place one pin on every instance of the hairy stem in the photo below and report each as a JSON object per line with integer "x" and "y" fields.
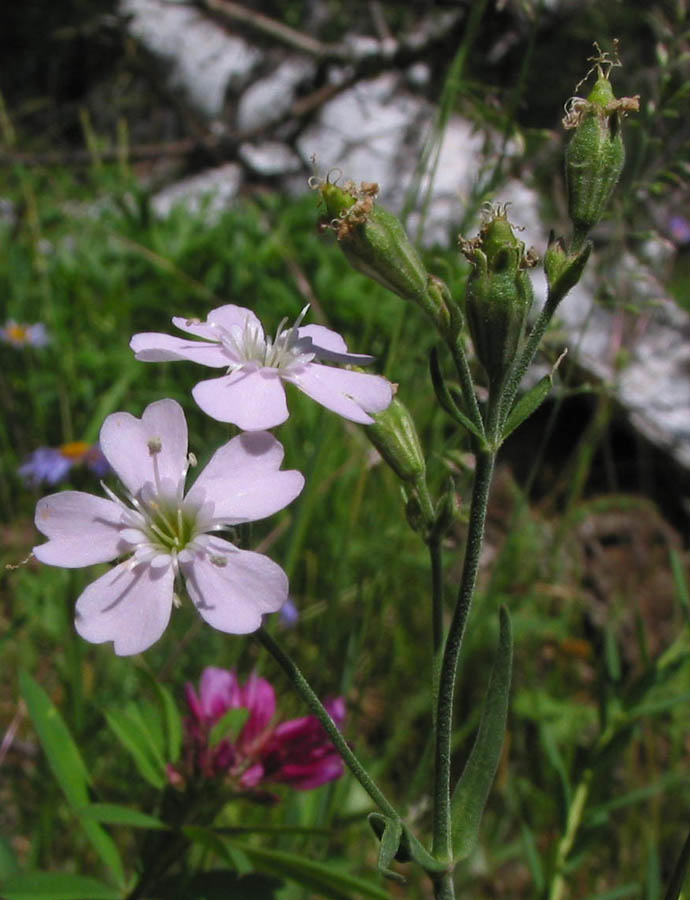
{"x": 304, "y": 689}
{"x": 442, "y": 837}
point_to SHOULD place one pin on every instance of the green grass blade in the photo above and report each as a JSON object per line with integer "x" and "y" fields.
{"x": 56, "y": 886}
{"x": 67, "y": 766}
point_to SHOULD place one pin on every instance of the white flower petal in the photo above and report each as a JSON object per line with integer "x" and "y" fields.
{"x": 82, "y": 529}
{"x": 251, "y": 399}
{"x": 228, "y": 317}
{"x": 130, "y": 606}
{"x": 153, "y": 347}
{"x": 127, "y": 444}
{"x": 350, "y": 394}
{"x": 329, "y": 345}
{"x": 233, "y": 595}
{"x": 242, "y": 479}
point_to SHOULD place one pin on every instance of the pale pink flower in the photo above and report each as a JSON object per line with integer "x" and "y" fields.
{"x": 166, "y": 534}
{"x": 251, "y": 393}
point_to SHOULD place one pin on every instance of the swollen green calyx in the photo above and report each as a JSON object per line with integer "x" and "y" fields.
{"x": 499, "y": 293}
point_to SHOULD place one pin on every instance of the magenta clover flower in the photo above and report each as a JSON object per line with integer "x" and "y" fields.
{"x": 251, "y": 393}
{"x": 166, "y": 534}
{"x": 297, "y": 752}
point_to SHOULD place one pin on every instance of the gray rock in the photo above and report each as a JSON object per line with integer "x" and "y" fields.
{"x": 653, "y": 386}
{"x": 270, "y": 158}
{"x": 215, "y": 187}
{"x": 269, "y": 99}
{"x": 205, "y": 60}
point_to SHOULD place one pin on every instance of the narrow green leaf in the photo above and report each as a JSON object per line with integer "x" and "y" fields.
{"x": 172, "y": 720}
{"x": 67, "y": 766}
{"x": 472, "y": 790}
{"x": 527, "y": 404}
{"x": 532, "y": 858}
{"x": 389, "y": 832}
{"x": 115, "y": 814}
{"x": 329, "y": 882}
{"x": 146, "y": 720}
{"x": 451, "y": 402}
{"x": 56, "y": 886}
{"x": 62, "y": 753}
{"x": 137, "y": 745}
{"x": 229, "y": 726}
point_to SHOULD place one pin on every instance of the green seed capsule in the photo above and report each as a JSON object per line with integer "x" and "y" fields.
{"x": 595, "y": 155}
{"x": 374, "y": 240}
{"x": 499, "y": 294}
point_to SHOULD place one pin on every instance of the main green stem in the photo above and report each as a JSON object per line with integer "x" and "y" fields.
{"x": 304, "y": 689}
{"x": 442, "y": 837}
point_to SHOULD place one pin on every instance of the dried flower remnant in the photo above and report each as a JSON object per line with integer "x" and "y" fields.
{"x": 166, "y": 535}
{"x": 251, "y": 393}
{"x": 22, "y": 335}
{"x": 257, "y": 750}
{"x": 51, "y": 465}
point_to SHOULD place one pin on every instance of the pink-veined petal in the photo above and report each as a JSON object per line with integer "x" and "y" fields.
{"x": 129, "y": 606}
{"x": 243, "y": 480}
{"x": 234, "y": 591}
{"x": 329, "y": 345}
{"x": 81, "y": 529}
{"x": 251, "y": 399}
{"x": 151, "y": 346}
{"x": 350, "y": 394}
{"x": 126, "y": 443}
{"x": 228, "y": 317}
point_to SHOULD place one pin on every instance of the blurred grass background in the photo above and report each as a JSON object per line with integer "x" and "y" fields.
{"x": 596, "y": 579}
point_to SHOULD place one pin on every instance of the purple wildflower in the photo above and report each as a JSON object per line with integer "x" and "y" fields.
{"x": 166, "y": 535}
{"x": 19, "y": 335}
{"x": 50, "y": 465}
{"x": 251, "y": 393}
{"x": 297, "y": 752}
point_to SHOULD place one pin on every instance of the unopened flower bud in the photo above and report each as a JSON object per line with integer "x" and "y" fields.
{"x": 447, "y": 510}
{"x": 563, "y": 270}
{"x": 373, "y": 239}
{"x": 595, "y": 155}
{"x": 499, "y": 293}
{"x": 395, "y": 437}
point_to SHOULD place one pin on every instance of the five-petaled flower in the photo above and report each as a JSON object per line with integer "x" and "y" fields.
{"x": 251, "y": 393}
{"x": 165, "y": 534}
{"x": 297, "y": 752}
